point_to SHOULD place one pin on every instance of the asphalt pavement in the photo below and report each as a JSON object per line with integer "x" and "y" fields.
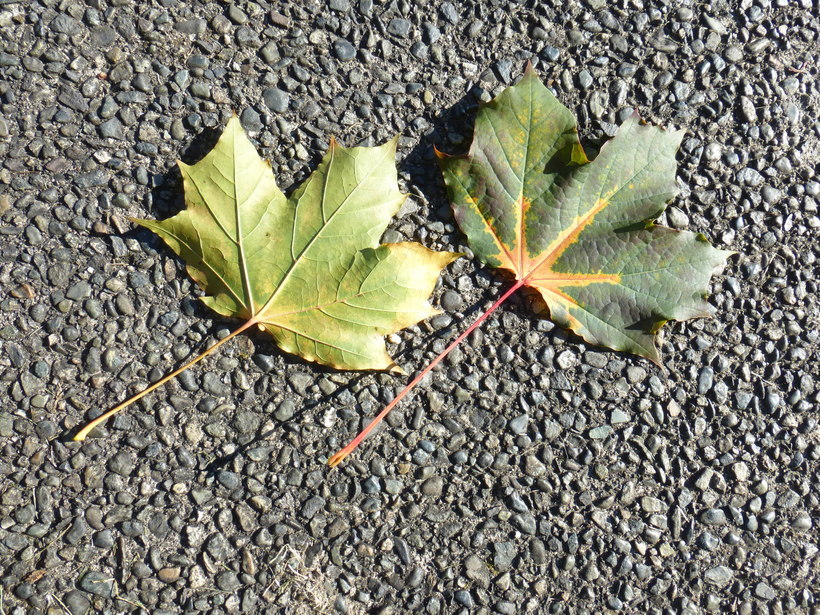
{"x": 531, "y": 473}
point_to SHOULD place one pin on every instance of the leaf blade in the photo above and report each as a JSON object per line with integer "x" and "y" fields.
{"x": 585, "y": 238}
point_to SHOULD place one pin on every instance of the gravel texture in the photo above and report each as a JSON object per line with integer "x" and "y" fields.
{"x": 531, "y": 473}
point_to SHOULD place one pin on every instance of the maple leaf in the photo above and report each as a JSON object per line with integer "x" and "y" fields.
{"x": 307, "y": 269}
{"x": 580, "y": 233}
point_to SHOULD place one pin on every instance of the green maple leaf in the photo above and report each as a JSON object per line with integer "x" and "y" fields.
{"x": 307, "y": 269}
{"x": 578, "y": 232}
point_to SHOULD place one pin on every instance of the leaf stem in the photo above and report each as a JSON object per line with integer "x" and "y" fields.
{"x": 339, "y": 457}
{"x": 83, "y": 433}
